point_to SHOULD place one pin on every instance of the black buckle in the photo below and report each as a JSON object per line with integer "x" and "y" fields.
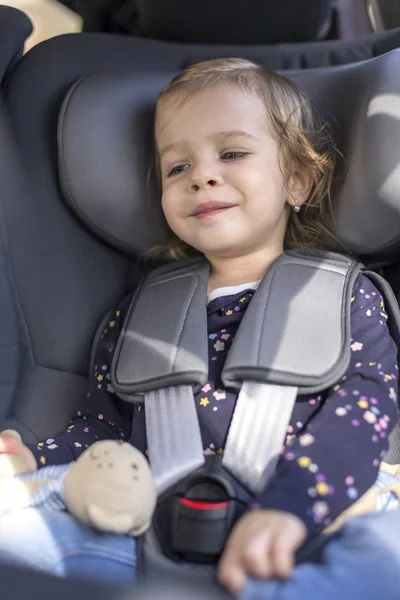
{"x": 200, "y": 528}
{"x": 194, "y": 518}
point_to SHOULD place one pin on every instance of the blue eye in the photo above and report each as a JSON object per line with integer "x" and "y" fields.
{"x": 177, "y": 170}
{"x": 233, "y": 155}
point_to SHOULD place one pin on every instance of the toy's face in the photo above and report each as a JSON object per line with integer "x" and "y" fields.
{"x": 119, "y": 464}
{"x": 111, "y": 488}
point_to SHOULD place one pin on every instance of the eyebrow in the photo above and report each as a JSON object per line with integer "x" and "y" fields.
{"x": 236, "y": 133}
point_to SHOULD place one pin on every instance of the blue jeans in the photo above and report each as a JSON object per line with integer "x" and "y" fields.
{"x": 362, "y": 562}
{"x": 55, "y": 542}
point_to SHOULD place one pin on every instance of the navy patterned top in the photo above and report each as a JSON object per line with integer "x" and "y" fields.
{"x": 334, "y": 442}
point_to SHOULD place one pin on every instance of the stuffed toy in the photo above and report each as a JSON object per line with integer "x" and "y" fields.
{"x": 109, "y": 487}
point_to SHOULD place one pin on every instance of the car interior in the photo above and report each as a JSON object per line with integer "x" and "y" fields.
{"x": 75, "y": 144}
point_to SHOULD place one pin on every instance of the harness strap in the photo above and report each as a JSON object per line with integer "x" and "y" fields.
{"x": 173, "y": 434}
{"x": 257, "y": 432}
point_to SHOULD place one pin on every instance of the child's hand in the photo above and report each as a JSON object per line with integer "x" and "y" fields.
{"x": 262, "y": 544}
{"x": 11, "y": 443}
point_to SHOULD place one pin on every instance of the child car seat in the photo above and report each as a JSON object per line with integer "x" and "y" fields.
{"x": 69, "y": 249}
{"x": 355, "y": 205}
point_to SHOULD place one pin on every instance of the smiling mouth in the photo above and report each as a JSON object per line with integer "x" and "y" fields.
{"x": 211, "y": 213}
{"x": 210, "y": 209}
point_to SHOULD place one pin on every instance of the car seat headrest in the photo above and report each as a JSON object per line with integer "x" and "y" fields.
{"x": 105, "y": 144}
{"x": 227, "y": 22}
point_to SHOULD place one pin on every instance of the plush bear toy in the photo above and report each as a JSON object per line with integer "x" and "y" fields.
{"x": 109, "y": 487}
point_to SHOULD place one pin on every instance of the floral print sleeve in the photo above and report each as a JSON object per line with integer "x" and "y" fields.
{"x": 102, "y": 416}
{"x": 335, "y": 457}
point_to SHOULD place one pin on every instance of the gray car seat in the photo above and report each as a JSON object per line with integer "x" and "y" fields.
{"x": 365, "y": 208}
{"x": 227, "y": 21}
{"x": 73, "y": 210}
{"x": 222, "y": 24}
{"x": 15, "y": 28}
{"x": 220, "y": 21}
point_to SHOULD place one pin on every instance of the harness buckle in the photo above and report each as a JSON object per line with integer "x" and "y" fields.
{"x": 194, "y": 518}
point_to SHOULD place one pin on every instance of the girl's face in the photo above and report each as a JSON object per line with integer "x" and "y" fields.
{"x": 223, "y": 191}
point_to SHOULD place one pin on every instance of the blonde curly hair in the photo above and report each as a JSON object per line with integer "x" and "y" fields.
{"x": 303, "y": 140}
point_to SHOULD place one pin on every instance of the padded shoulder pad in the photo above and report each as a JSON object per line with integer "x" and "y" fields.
{"x": 296, "y": 330}
{"x": 164, "y": 339}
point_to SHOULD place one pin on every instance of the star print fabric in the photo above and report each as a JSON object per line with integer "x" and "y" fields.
{"x": 335, "y": 439}
{"x": 332, "y": 455}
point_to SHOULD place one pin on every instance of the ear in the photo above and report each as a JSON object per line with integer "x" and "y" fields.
{"x": 299, "y": 186}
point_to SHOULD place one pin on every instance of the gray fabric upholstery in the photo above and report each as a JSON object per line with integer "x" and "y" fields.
{"x": 104, "y": 138}
{"x": 169, "y": 351}
{"x": 363, "y": 101}
{"x": 14, "y": 353}
{"x": 227, "y": 21}
{"x": 57, "y": 280}
{"x": 50, "y": 301}
{"x": 15, "y": 28}
{"x": 289, "y": 313}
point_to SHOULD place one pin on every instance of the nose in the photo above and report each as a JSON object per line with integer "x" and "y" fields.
{"x": 202, "y": 178}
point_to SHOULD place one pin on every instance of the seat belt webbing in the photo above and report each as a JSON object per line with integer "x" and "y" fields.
{"x": 257, "y": 432}
{"x": 173, "y": 435}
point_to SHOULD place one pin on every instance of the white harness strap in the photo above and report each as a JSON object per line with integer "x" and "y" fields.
{"x": 257, "y": 432}
{"x": 173, "y": 435}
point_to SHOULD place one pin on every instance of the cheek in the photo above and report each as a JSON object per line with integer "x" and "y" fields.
{"x": 169, "y": 209}
{"x": 166, "y": 204}
{"x": 257, "y": 176}
{"x": 267, "y": 185}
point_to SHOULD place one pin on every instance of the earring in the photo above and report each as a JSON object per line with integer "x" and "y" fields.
{"x": 297, "y": 207}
